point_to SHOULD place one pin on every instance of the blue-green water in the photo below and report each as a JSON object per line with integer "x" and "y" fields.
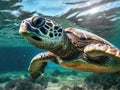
{"x": 101, "y": 17}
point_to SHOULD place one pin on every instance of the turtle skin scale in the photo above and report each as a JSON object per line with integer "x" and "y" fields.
{"x": 71, "y": 48}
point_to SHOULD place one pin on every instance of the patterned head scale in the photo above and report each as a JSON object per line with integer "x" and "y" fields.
{"x": 43, "y": 28}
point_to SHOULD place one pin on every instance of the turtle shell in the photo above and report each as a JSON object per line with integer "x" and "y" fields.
{"x": 94, "y": 50}
{"x": 79, "y": 37}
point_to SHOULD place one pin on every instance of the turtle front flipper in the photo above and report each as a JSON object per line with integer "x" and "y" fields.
{"x": 94, "y": 51}
{"x": 39, "y": 62}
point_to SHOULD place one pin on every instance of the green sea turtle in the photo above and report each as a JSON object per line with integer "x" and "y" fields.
{"x": 71, "y": 48}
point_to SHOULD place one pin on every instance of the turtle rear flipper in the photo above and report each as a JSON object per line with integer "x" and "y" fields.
{"x": 102, "y": 50}
{"x": 80, "y": 64}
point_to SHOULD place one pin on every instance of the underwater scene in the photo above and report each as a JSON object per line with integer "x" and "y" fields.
{"x": 59, "y": 44}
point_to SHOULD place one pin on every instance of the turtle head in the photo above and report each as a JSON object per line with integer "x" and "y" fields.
{"x": 41, "y": 31}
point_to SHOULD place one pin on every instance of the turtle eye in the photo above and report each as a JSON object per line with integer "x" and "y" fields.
{"x": 38, "y": 21}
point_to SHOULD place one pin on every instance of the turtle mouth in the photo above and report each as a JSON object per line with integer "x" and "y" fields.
{"x": 28, "y": 35}
{"x": 25, "y": 34}
{"x": 36, "y": 38}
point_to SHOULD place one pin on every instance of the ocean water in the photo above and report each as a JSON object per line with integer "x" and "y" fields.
{"x": 101, "y": 17}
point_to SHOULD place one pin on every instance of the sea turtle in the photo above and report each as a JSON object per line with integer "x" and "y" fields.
{"x": 71, "y": 48}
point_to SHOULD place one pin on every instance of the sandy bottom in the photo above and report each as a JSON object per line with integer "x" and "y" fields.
{"x": 59, "y": 79}
{"x": 55, "y": 78}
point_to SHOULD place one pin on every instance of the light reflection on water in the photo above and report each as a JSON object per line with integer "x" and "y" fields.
{"x": 98, "y": 16}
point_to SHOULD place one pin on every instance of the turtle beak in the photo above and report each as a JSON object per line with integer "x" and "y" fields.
{"x": 28, "y": 31}
{"x": 23, "y": 29}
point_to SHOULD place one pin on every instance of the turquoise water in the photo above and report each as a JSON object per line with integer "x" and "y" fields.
{"x": 101, "y": 17}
